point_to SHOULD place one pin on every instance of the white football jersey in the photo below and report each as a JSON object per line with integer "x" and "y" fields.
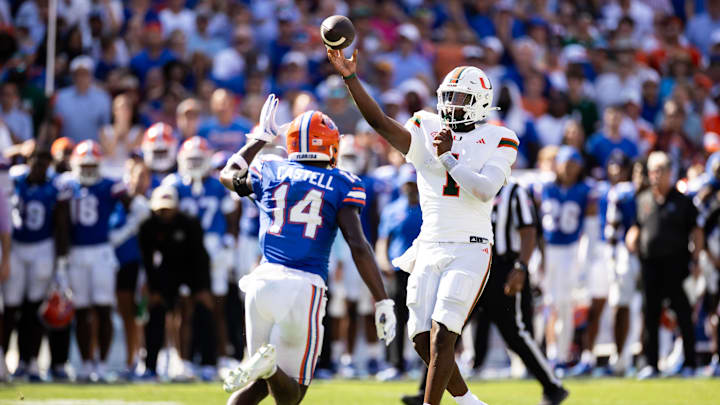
{"x": 451, "y": 214}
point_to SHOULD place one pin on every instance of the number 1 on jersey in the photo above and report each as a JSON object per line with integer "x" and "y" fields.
{"x": 451, "y": 188}
{"x": 306, "y": 211}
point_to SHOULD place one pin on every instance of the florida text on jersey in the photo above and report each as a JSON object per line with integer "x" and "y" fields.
{"x": 298, "y": 211}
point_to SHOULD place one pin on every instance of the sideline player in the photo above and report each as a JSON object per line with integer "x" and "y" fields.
{"x": 565, "y": 203}
{"x": 203, "y": 196}
{"x": 40, "y": 212}
{"x": 303, "y": 201}
{"x": 461, "y": 164}
{"x": 92, "y": 262}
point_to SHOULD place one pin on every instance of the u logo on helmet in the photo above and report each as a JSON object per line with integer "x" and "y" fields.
{"x": 484, "y": 86}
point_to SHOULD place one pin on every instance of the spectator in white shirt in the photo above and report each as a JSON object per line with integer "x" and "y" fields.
{"x": 16, "y": 119}
{"x": 550, "y": 126}
{"x": 177, "y": 17}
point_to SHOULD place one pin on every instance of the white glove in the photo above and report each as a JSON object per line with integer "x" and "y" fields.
{"x": 267, "y": 128}
{"x": 385, "y": 320}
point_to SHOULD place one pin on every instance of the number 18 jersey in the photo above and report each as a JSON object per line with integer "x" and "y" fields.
{"x": 298, "y": 211}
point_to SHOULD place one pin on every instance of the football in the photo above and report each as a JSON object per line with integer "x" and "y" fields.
{"x": 337, "y": 32}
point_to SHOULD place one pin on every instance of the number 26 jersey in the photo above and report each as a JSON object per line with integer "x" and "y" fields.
{"x": 298, "y": 211}
{"x": 563, "y": 211}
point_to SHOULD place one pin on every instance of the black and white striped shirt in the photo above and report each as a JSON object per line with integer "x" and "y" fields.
{"x": 513, "y": 209}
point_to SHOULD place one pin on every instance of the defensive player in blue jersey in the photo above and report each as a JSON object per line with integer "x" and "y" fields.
{"x": 609, "y": 260}
{"x": 303, "y": 202}
{"x": 39, "y": 217}
{"x": 204, "y": 197}
{"x": 92, "y": 261}
{"x": 565, "y": 203}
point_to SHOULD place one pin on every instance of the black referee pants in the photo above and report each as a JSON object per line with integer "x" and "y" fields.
{"x": 514, "y": 323}
{"x": 397, "y": 346}
{"x": 663, "y": 278}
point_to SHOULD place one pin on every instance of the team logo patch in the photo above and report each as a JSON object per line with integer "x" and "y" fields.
{"x": 317, "y": 142}
{"x": 478, "y": 239}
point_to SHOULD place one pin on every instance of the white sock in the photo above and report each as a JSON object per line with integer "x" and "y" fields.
{"x": 336, "y": 350}
{"x": 373, "y": 350}
{"x": 588, "y": 357}
{"x": 468, "y": 399}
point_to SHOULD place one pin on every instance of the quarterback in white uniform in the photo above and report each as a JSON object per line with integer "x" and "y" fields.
{"x": 461, "y": 162}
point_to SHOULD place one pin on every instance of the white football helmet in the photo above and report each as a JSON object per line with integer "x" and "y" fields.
{"x": 85, "y": 162}
{"x": 352, "y": 157}
{"x": 194, "y": 158}
{"x": 468, "y": 89}
{"x": 159, "y": 147}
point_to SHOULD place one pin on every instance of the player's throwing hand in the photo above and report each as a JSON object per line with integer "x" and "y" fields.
{"x": 443, "y": 141}
{"x": 346, "y": 67}
{"x": 267, "y": 128}
{"x": 385, "y": 320}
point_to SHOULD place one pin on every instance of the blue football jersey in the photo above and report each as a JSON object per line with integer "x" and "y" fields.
{"x": 208, "y": 203}
{"x": 33, "y": 206}
{"x": 602, "y": 189}
{"x": 366, "y": 216}
{"x": 129, "y": 250}
{"x": 563, "y": 211}
{"x": 621, "y": 210}
{"x": 91, "y": 208}
{"x": 298, "y": 211}
{"x": 250, "y": 219}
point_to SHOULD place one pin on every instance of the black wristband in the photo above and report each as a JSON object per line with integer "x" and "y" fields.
{"x": 520, "y": 266}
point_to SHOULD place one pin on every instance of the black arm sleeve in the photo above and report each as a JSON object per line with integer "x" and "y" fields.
{"x": 241, "y": 184}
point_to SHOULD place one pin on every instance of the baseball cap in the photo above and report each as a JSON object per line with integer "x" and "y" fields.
{"x": 567, "y": 153}
{"x": 82, "y": 62}
{"x": 406, "y": 174}
{"x": 472, "y": 52}
{"x": 409, "y": 31}
{"x": 494, "y": 44}
{"x": 162, "y": 197}
{"x": 618, "y": 158}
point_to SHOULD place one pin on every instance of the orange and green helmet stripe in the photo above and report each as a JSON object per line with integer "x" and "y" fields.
{"x": 509, "y": 143}
{"x": 456, "y": 74}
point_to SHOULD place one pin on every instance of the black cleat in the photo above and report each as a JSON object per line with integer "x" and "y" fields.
{"x": 555, "y": 397}
{"x": 412, "y": 399}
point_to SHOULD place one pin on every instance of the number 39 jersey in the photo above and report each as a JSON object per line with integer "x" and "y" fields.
{"x": 450, "y": 213}
{"x": 90, "y": 209}
{"x": 298, "y": 211}
{"x": 563, "y": 211}
{"x": 209, "y": 203}
{"x": 33, "y": 206}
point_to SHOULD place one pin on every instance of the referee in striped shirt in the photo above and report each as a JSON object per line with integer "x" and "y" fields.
{"x": 506, "y": 299}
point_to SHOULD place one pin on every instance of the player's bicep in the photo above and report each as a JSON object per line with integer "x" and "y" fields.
{"x": 348, "y": 219}
{"x": 398, "y": 135}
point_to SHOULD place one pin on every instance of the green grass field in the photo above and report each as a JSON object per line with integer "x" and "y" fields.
{"x": 583, "y": 392}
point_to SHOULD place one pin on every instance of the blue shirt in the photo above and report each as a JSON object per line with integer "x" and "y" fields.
{"x": 699, "y": 29}
{"x": 563, "y": 211}
{"x": 229, "y": 137}
{"x": 400, "y": 223}
{"x": 90, "y": 209}
{"x": 621, "y": 209}
{"x": 601, "y": 148}
{"x": 208, "y": 203}
{"x": 250, "y": 219}
{"x": 142, "y": 62}
{"x": 129, "y": 250}
{"x": 82, "y": 115}
{"x": 298, "y": 211}
{"x": 33, "y": 206}
{"x": 407, "y": 66}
